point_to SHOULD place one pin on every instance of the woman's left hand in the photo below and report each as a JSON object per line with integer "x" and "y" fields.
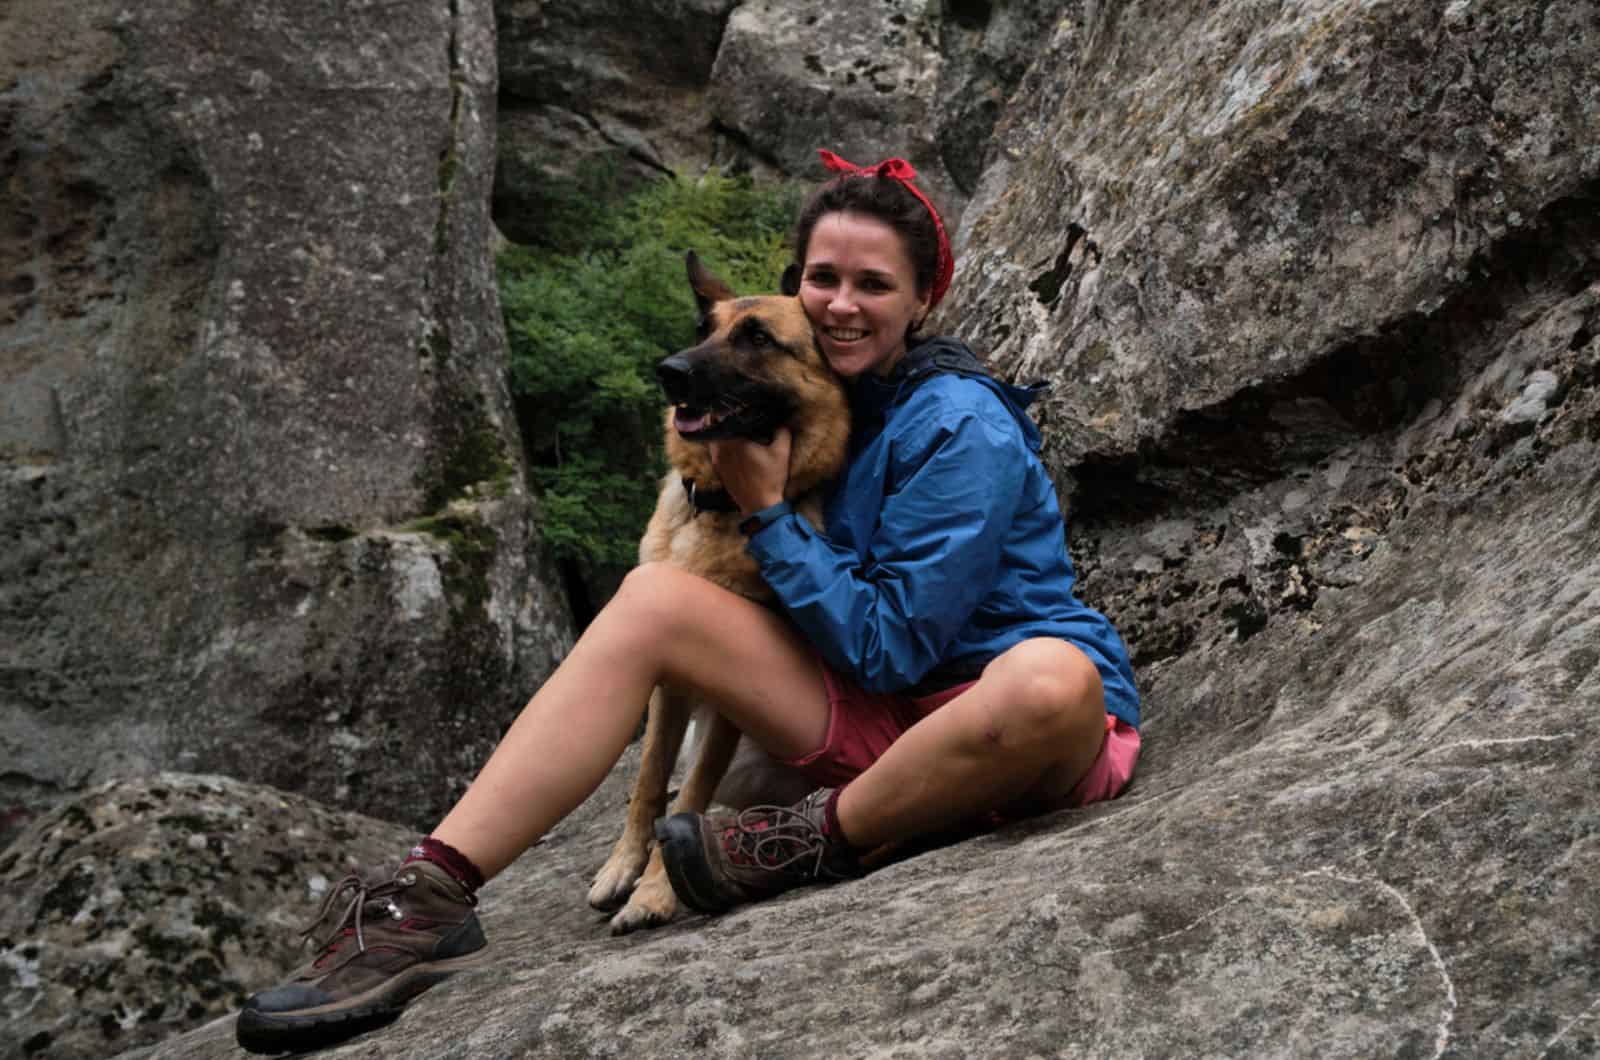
{"x": 753, "y": 474}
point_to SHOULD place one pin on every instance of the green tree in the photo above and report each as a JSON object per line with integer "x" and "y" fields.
{"x": 589, "y": 314}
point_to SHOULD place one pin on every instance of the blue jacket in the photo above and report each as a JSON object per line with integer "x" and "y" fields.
{"x": 944, "y": 542}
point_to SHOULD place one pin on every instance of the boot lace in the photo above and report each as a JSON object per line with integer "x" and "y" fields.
{"x": 369, "y": 900}
{"x": 780, "y": 839}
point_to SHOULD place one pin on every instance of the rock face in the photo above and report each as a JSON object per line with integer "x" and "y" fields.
{"x": 1319, "y": 288}
{"x": 793, "y": 77}
{"x": 1199, "y": 201}
{"x": 148, "y": 905}
{"x": 651, "y": 85}
{"x": 614, "y": 82}
{"x": 260, "y": 489}
{"x": 871, "y": 81}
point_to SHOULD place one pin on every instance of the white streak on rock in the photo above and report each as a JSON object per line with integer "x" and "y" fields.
{"x": 1413, "y": 821}
{"x": 1442, "y": 1039}
{"x": 1501, "y": 740}
{"x": 1562, "y": 1033}
{"x": 1207, "y": 915}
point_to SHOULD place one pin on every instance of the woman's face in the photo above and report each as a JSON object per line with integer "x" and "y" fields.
{"x": 859, "y": 289}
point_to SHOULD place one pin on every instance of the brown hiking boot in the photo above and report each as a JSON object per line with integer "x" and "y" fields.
{"x": 715, "y": 863}
{"x": 393, "y": 939}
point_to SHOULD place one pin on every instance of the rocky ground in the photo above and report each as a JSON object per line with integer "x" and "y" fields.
{"x": 1318, "y": 286}
{"x": 1369, "y": 830}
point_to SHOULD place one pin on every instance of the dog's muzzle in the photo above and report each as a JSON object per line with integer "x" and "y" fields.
{"x": 676, "y": 377}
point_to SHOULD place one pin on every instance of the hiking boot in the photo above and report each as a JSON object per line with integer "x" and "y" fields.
{"x": 392, "y": 940}
{"x": 715, "y": 863}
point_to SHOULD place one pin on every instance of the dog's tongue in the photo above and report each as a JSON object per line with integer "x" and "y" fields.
{"x": 688, "y": 422}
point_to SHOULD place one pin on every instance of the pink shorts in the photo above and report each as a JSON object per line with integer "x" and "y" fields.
{"x": 862, "y": 725}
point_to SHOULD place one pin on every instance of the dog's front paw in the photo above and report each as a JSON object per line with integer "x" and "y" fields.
{"x": 615, "y": 880}
{"x": 651, "y": 905}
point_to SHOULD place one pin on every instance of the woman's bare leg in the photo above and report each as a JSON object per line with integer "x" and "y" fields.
{"x": 663, "y": 624}
{"x": 1026, "y": 732}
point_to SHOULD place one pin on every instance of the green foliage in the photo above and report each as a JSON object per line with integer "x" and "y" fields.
{"x": 590, "y": 312}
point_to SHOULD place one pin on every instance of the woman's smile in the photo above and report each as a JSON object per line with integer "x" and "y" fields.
{"x": 859, "y": 290}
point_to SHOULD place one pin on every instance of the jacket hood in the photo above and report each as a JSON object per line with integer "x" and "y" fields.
{"x": 872, "y": 397}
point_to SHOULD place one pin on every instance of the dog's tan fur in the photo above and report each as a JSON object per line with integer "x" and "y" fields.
{"x": 710, "y": 545}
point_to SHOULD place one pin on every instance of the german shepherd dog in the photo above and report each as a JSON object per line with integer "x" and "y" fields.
{"x": 755, "y": 368}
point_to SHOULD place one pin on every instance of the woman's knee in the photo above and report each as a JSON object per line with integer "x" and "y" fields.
{"x": 660, "y": 602}
{"x": 1048, "y": 688}
{"x": 655, "y": 597}
{"x": 653, "y": 584}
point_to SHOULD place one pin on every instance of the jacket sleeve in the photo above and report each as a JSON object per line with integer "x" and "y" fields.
{"x": 886, "y": 618}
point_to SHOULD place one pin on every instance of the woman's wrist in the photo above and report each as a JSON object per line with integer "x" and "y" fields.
{"x": 761, "y": 504}
{"x": 755, "y": 521}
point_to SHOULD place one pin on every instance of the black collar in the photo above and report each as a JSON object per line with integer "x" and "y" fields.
{"x": 708, "y": 500}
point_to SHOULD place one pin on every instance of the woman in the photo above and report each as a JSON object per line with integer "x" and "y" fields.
{"x": 930, "y": 665}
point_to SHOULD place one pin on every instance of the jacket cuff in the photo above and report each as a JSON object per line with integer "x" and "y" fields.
{"x": 758, "y": 521}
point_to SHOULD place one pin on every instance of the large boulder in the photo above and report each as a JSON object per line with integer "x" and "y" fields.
{"x": 596, "y": 98}
{"x": 608, "y": 93}
{"x": 1191, "y": 199}
{"x": 1284, "y": 266}
{"x": 1366, "y": 833}
{"x": 144, "y": 907}
{"x": 260, "y": 486}
{"x": 903, "y": 78}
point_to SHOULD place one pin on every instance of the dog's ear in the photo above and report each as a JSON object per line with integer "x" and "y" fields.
{"x": 790, "y": 284}
{"x": 707, "y": 288}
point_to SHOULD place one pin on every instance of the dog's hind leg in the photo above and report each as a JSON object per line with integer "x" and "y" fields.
{"x": 652, "y": 901}
{"x": 665, "y": 724}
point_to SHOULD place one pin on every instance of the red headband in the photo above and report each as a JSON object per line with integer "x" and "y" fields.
{"x": 899, "y": 169}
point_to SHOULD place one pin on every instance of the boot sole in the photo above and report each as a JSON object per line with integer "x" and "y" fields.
{"x": 683, "y": 856}
{"x": 315, "y": 1028}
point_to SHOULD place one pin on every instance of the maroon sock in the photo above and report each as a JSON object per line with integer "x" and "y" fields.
{"x": 830, "y": 822}
{"x": 451, "y": 860}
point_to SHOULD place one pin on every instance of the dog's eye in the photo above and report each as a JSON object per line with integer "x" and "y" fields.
{"x": 754, "y": 336}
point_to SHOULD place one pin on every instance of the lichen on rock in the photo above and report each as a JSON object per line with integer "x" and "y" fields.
{"x": 144, "y": 907}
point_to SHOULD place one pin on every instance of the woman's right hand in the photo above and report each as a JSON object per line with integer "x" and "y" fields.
{"x": 753, "y": 474}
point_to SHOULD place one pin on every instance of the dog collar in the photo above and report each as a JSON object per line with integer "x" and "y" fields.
{"x": 708, "y": 500}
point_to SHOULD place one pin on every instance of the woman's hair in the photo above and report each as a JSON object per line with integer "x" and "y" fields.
{"x": 885, "y": 199}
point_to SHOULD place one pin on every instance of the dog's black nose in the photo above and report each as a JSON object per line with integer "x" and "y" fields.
{"x": 673, "y": 373}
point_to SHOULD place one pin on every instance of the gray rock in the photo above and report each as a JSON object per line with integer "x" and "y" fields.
{"x": 651, "y": 86}
{"x": 617, "y": 83}
{"x": 1197, "y": 198}
{"x": 144, "y": 907}
{"x": 985, "y": 48}
{"x": 1289, "y": 266}
{"x": 1368, "y": 835}
{"x": 860, "y": 79}
{"x": 261, "y": 494}
{"x": 1533, "y": 402}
